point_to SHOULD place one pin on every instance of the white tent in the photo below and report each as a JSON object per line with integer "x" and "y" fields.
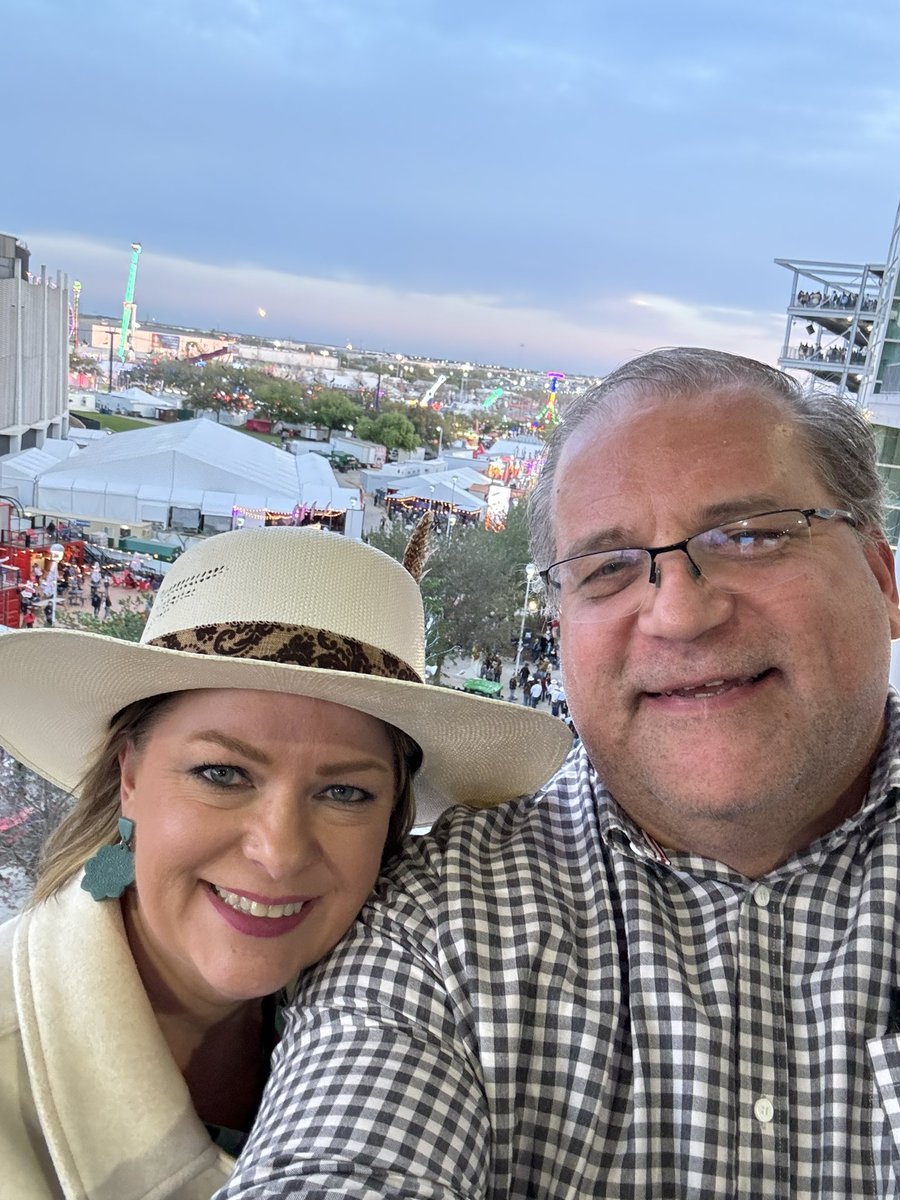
{"x": 438, "y": 488}
{"x": 195, "y": 466}
{"x": 19, "y": 472}
{"x": 134, "y": 393}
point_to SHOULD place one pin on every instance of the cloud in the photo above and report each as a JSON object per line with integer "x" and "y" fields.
{"x": 601, "y": 332}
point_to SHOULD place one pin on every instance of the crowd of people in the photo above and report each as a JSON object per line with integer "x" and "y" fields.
{"x": 836, "y": 299}
{"x": 838, "y": 352}
{"x": 73, "y": 585}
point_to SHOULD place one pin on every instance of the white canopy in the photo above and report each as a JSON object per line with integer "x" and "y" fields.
{"x": 19, "y": 472}
{"x": 437, "y": 487}
{"x": 139, "y": 475}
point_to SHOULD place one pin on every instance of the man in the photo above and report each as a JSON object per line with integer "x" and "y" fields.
{"x": 674, "y": 973}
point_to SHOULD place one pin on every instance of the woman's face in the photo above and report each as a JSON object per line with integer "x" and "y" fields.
{"x": 260, "y": 821}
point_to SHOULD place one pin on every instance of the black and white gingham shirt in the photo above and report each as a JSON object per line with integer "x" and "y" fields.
{"x": 540, "y": 1005}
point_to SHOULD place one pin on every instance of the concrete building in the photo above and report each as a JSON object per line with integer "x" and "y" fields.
{"x": 34, "y": 333}
{"x": 843, "y": 327}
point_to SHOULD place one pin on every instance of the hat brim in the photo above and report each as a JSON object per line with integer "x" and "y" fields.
{"x": 59, "y": 689}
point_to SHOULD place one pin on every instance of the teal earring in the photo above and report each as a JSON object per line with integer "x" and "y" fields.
{"x": 111, "y": 870}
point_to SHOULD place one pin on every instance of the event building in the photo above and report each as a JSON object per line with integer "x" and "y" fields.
{"x": 843, "y": 327}
{"x": 34, "y": 327}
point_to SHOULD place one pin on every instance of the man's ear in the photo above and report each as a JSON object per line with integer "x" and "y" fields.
{"x": 881, "y": 560}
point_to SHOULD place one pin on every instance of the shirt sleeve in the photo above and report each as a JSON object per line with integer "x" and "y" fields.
{"x": 376, "y": 1090}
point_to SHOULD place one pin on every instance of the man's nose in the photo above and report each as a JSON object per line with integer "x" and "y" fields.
{"x": 682, "y": 604}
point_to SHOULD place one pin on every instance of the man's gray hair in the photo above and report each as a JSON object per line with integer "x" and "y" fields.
{"x": 840, "y": 440}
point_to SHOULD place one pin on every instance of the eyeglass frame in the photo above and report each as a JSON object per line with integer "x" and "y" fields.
{"x": 823, "y": 514}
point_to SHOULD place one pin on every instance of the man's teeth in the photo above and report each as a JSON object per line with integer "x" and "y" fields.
{"x": 254, "y": 908}
{"x": 703, "y": 691}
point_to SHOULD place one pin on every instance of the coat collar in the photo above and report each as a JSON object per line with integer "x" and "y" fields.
{"x": 115, "y": 1111}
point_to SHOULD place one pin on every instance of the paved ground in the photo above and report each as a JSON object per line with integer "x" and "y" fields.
{"x": 117, "y": 595}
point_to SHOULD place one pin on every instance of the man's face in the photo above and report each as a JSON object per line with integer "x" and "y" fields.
{"x": 797, "y": 672}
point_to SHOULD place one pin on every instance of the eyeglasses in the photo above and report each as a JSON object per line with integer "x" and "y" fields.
{"x": 749, "y": 555}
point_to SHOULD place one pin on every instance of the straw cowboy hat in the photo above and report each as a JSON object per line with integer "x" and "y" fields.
{"x": 290, "y": 610}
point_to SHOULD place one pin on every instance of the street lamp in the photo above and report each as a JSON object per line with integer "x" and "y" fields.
{"x": 451, "y": 518}
{"x": 530, "y": 572}
{"x": 57, "y": 551}
{"x": 112, "y": 334}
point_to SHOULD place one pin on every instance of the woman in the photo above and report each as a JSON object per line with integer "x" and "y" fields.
{"x": 241, "y": 773}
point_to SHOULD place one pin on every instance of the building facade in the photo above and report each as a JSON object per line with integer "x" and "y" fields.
{"x": 34, "y": 351}
{"x": 843, "y": 327}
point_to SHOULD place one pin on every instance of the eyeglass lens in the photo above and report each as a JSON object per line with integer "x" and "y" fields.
{"x": 743, "y": 556}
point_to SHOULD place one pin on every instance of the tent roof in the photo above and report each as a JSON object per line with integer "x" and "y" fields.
{"x": 429, "y": 487}
{"x": 27, "y": 464}
{"x": 134, "y": 393}
{"x": 183, "y": 462}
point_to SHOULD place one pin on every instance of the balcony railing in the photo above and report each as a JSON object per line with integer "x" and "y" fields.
{"x": 845, "y": 302}
{"x": 825, "y": 356}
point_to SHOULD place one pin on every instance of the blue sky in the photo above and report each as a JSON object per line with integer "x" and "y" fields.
{"x": 558, "y": 185}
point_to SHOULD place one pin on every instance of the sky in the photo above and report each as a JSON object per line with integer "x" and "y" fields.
{"x": 556, "y": 186}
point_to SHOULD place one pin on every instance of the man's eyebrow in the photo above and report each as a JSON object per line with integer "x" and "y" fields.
{"x": 613, "y": 537}
{"x": 618, "y": 537}
{"x": 736, "y": 508}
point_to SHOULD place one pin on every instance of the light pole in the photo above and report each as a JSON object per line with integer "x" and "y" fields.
{"x": 112, "y": 334}
{"x": 57, "y": 551}
{"x": 530, "y": 572}
{"x": 451, "y": 518}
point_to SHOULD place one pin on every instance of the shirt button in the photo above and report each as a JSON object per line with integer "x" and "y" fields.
{"x": 762, "y": 895}
{"x": 764, "y": 1110}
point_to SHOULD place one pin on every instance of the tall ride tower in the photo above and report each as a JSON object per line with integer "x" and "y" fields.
{"x": 129, "y": 307}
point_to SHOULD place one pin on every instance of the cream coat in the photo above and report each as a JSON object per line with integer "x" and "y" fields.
{"x": 92, "y": 1105}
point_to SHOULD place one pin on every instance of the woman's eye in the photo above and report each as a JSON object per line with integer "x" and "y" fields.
{"x": 219, "y": 776}
{"x": 343, "y": 793}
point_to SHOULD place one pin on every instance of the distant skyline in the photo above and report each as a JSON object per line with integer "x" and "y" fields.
{"x": 544, "y": 186}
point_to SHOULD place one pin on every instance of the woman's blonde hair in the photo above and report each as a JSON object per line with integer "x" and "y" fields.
{"x": 92, "y": 821}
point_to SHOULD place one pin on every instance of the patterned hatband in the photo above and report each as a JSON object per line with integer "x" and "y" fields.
{"x": 299, "y": 645}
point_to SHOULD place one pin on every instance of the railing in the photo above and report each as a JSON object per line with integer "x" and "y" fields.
{"x": 825, "y": 356}
{"x": 27, "y": 539}
{"x": 835, "y": 303}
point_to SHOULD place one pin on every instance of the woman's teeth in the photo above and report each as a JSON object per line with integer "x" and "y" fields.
{"x": 253, "y": 907}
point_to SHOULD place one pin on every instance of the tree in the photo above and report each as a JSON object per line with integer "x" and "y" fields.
{"x": 472, "y": 589}
{"x": 30, "y": 809}
{"x": 84, "y": 365}
{"x": 390, "y": 429}
{"x": 220, "y": 388}
{"x": 165, "y": 375}
{"x": 278, "y": 399}
{"x": 333, "y": 408}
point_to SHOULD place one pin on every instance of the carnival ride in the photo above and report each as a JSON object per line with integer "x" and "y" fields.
{"x": 129, "y": 308}
{"x": 429, "y": 394}
{"x": 195, "y": 359}
{"x": 548, "y": 414}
